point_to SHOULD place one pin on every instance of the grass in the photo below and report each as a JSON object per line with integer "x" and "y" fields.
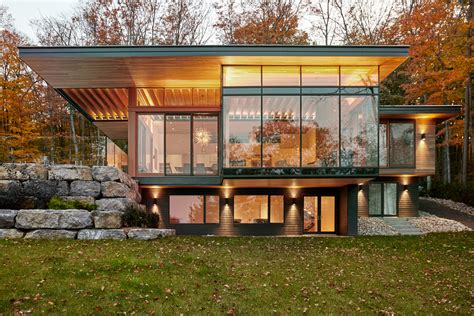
{"x": 252, "y": 276}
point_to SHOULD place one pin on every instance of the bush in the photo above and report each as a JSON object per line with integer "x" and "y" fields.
{"x": 134, "y": 216}
{"x": 56, "y": 203}
{"x": 453, "y": 191}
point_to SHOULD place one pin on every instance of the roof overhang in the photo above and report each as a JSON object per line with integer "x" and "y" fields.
{"x": 188, "y": 66}
{"x": 423, "y": 112}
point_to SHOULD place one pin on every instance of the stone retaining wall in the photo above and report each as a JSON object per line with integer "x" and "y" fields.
{"x": 71, "y": 224}
{"x": 31, "y": 186}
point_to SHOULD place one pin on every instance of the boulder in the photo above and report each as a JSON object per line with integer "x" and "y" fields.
{"x": 7, "y": 218}
{"x": 114, "y": 189}
{"x": 44, "y": 190}
{"x": 70, "y": 172}
{"x": 113, "y": 204}
{"x": 83, "y": 199}
{"x": 11, "y": 234}
{"x": 149, "y": 233}
{"x": 85, "y": 188}
{"x": 108, "y": 219}
{"x": 91, "y": 234}
{"x": 55, "y": 219}
{"x": 11, "y": 194}
{"x": 51, "y": 234}
{"x": 106, "y": 173}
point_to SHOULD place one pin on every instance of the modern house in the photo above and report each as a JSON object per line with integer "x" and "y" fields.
{"x": 254, "y": 140}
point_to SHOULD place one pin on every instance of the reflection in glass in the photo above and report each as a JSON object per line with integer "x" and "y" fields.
{"x": 402, "y": 144}
{"x": 366, "y": 76}
{"x": 178, "y": 144}
{"x": 151, "y": 144}
{"x": 375, "y": 199}
{"x": 320, "y": 128}
{"x": 383, "y": 148}
{"x": 241, "y": 76}
{"x": 250, "y": 209}
{"x": 390, "y": 199}
{"x": 310, "y": 214}
{"x": 359, "y": 131}
{"x": 186, "y": 209}
{"x": 242, "y": 120}
{"x": 320, "y": 75}
{"x": 205, "y": 144}
{"x": 281, "y": 75}
{"x": 276, "y": 209}
{"x": 212, "y": 209}
{"x": 281, "y": 128}
{"x": 328, "y": 214}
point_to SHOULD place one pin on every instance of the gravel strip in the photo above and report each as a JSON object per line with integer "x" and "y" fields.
{"x": 458, "y": 206}
{"x": 371, "y": 226}
{"x": 435, "y": 224}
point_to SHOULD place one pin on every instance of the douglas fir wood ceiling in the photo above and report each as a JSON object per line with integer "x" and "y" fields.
{"x": 187, "y": 66}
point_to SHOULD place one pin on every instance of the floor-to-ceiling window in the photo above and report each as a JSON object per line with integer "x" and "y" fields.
{"x": 177, "y": 144}
{"x": 397, "y": 144}
{"x": 309, "y": 117}
{"x": 383, "y": 199}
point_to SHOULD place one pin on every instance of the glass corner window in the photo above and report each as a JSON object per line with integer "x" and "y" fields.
{"x": 366, "y": 76}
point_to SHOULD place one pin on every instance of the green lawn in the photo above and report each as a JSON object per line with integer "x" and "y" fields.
{"x": 248, "y": 275}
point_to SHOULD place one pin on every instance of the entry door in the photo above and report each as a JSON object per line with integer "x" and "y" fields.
{"x": 319, "y": 214}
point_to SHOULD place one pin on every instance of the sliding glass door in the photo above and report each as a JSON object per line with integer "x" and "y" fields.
{"x": 383, "y": 199}
{"x": 319, "y": 214}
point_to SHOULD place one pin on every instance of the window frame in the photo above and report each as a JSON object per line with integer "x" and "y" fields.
{"x": 204, "y": 206}
{"x": 269, "y": 222}
{"x": 382, "y": 193}
{"x": 388, "y": 122}
{"x": 192, "y": 114}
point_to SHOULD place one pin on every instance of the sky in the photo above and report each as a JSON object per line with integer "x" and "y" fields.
{"x": 23, "y": 11}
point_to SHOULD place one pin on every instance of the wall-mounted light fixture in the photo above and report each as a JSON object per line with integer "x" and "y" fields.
{"x": 423, "y": 136}
{"x": 227, "y": 201}
{"x": 293, "y": 201}
{"x": 360, "y": 187}
{"x": 155, "y": 201}
{"x": 405, "y": 187}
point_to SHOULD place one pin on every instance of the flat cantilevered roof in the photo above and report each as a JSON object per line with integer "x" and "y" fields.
{"x": 188, "y": 66}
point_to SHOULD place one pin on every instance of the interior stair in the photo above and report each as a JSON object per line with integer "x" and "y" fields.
{"x": 402, "y": 225}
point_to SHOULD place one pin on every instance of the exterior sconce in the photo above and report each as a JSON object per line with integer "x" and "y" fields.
{"x": 405, "y": 187}
{"x": 423, "y": 136}
{"x": 155, "y": 201}
{"x": 227, "y": 201}
{"x": 293, "y": 201}
{"x": 360, "y": 187}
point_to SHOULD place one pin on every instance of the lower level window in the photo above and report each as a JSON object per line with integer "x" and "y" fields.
{"x": 383, "y": 199}
{"x": 194, "y": 209}
{"x": 255, "y": 209}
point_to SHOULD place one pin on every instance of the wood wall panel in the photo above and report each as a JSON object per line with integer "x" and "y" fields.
{"x": 425, "y": 149}
{"x": 363, "y": 202}
{"x": 343, "y": 209}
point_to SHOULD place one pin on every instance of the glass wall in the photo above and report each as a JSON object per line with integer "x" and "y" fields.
{"x": 180, "y": 133}
{"x": 402, "y": 144}
{"x": 320, "y": 131}
{"x": 308, "y": 116}
{"x": 242, "y": 131}
{"x": 205, "y": 144}
{"x": 375, "y": 199}
{"x": 151, "y": 144}
{"x": 178, "y": 144}
{"x": 250, "y": 76}
{"x": 359, "y": 131}
{"x": 281, "y": 131}
{"x": 397, "y": 144}
{"x": 281, "y": 76}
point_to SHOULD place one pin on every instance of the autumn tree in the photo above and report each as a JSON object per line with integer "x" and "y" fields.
{"x": 260, "y": 22}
